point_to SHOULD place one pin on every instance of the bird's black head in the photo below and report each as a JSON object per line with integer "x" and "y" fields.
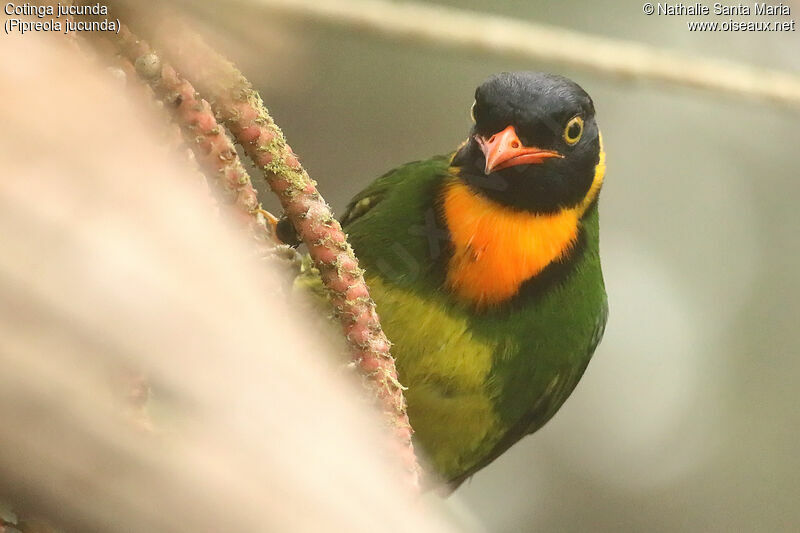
{"x": 535, "y": 143}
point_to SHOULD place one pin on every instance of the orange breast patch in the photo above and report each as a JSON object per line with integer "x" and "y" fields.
{"x": 496, "y": 249}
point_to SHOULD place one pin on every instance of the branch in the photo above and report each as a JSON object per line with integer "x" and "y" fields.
{"x": 484, "y": 32}
{"x": 173, "y": 139}
{"x": 210, "y": 143}
{"x": 240, "y": 107}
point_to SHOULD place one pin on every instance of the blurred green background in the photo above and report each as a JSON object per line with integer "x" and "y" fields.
{"x": 687, "y": 418}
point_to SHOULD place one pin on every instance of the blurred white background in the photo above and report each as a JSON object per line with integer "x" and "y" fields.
{"x": 687, "y": 419}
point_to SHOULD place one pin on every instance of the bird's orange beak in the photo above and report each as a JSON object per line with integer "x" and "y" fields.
{"x": 504, "y": 149}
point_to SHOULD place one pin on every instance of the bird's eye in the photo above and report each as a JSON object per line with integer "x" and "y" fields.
{"x": 573, "y": 131}
{"x": 472, "y": 111}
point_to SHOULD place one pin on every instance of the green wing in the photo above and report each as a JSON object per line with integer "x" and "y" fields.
{"x": 362, "y": 204}
{"x": 375, "y": 193}
{"x": 546, "y": 406}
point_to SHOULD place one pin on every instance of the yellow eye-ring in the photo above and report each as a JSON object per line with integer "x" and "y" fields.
{"x": 472, "y": 111}
{"x": 573, "y": 131}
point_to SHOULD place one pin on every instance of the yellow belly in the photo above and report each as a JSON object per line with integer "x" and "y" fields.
{"x": 445, "y": 369}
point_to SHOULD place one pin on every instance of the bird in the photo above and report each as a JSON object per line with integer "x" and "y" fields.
{"x": 484, "y": 265}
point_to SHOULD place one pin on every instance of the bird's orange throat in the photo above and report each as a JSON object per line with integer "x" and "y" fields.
{"x": 496, "y": 249}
